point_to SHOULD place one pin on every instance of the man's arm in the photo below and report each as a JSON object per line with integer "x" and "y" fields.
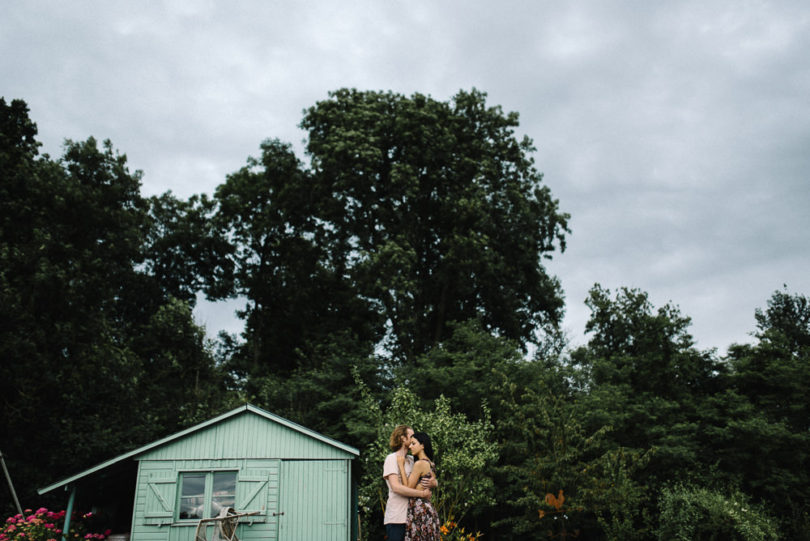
{"x": 402, "y": 490}
{"x": 430, "y": 482}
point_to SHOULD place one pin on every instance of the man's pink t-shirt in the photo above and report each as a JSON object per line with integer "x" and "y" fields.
{"x": 396, "y": 510}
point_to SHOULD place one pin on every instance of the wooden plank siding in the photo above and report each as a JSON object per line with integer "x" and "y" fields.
{"x": 299, "y": 484}
{"x": 245, "y": 436}
{"x": 257, "y": 490}
{"x": 314, "y": 500}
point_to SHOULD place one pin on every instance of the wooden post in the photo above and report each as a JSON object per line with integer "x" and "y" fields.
{"x": 68, "y": 512}
{"x": 10, "y": 484}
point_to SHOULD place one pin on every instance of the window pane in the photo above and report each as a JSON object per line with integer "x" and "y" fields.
{"x": 192, "y": 495}
{"x": 224, "y": 493}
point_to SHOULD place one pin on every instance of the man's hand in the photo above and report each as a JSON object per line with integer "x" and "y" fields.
{"x": 429, "y": 482}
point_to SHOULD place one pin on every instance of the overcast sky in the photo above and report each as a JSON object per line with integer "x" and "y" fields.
{"x": 676, "y": 134}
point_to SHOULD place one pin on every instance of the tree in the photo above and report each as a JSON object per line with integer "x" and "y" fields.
{"x": 434, "y": 212}
{"x": 775, "y": 372}
{"x": 466, "y": 367}
{"x": 645, "y": 378}
{"x": 767, "y": 448}
{"x": 296, "y": 300}
{"x": 85, "y": 332}
{"x": 185, "y": 251}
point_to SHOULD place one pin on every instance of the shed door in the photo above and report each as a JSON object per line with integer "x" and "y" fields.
{"x": 315, "y": 500}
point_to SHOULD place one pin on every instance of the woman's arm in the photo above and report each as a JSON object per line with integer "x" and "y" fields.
{"x": 420, "y": 468}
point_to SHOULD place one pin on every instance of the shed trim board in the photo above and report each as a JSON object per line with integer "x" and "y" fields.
{"x": 242, "y": 409}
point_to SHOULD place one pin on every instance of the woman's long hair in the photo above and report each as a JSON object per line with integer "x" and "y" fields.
{"x": 424, "y": 439}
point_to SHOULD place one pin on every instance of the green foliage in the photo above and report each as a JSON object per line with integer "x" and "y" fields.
{"x": 649, "y": 349}
{"x": 463, "y": 368}
{"x": 775, "y": 372}
{"x": 436, "y": 213}
{"x": 84, "y": 328}
{"x": 464, "y": 452}
{"x": 297, "y": 299}
{"x": 548, "y": 455}
{"x": 396, "y": 278}
{"x": 184, "y": 249}
{"x": 690, "y": 513}
{"x": 308, "y": 395}
{"x": 760, "y": 434}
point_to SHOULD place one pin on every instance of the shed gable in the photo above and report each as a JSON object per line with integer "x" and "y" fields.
{"x": 246, "y": 435}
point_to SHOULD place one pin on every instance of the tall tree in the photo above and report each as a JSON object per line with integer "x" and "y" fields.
{"x": 85, "y": 331}
{"x": 763, "y": 439}
{"x": 295, "y": 300}
{"x": 646, "y": 348}
{"x": 775, "y": 372}
{"x": 435, "y": 212}
{"x": 646, "y": 380}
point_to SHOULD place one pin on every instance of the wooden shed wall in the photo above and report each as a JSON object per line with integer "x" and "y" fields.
{"x": 279, "y": 470}
{"x": 296, "y": 500}
{"x": 156, "y": 497}
{"x": 246, "y": 436}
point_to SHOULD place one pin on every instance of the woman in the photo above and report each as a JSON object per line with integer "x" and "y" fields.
{"x": 423, "y": 521}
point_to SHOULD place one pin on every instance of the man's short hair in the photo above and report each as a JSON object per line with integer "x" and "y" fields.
{"x": 401, "y": 431}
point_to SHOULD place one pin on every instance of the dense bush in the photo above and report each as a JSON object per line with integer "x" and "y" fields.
{"x": 691, "y": 513}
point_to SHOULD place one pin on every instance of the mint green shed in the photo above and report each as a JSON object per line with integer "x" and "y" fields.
{"x": 295, "y": 483}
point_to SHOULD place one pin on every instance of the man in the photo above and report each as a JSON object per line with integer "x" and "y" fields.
{"x": 396, "y": 510}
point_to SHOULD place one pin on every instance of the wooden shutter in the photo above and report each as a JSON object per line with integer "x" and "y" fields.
{"x": 257, "y": 491}
{"x": 160, "y": 497}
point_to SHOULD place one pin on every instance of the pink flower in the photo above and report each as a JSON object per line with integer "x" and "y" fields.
{"x": 11, "y": 520}
{"x": 107, "y": 532}
{"x": 88, "y": 536}
{"x": 11, "y": 528}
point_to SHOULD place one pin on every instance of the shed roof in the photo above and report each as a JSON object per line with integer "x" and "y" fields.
{"x": 247, "y": 408}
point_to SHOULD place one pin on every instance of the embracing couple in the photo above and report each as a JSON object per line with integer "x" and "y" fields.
{"x": 409, "y": 515}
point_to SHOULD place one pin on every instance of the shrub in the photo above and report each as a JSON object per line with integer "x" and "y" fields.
{"x": 691, "y": 513}
{"x": 44, "y": 525}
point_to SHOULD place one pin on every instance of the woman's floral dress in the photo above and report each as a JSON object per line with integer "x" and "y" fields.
{"x": 423, "y": 520}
